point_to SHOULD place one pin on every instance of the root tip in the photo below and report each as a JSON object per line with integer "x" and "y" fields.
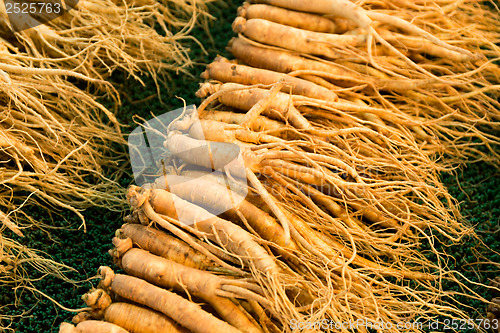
{"x": 239, "y": 24}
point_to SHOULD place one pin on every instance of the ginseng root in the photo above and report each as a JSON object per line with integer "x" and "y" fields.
{"x": 244, "y": 98}
{"x": 166, "y": 246}
{"x": 223, "y": 70}
{"x": 226, "y": 234}
{"x": 138, "y": 319}
{"x": 186, "y": 313}
{"x": 133, "y": 318}
{"x": 168, "y": 274}
{"x": 91, "y": 326}
{"x": 291, "y": 18}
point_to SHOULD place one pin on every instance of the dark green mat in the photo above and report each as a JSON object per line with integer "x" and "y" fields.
{"x": 477, "y": 186}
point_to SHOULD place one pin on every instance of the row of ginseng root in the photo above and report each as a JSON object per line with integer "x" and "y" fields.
{"x": 429, "y": 66}
{"x": 324, "y": 194}
{"x": 313, "y": 225}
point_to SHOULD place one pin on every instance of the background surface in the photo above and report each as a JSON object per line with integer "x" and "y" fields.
{"x": 477, "y": 187}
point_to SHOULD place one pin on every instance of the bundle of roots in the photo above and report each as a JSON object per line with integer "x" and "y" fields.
{"x": 54, "y": 134}
{"x": 55, "y": 148}
{"x": 60, "y": 148}
{"x": 95, "y": 37}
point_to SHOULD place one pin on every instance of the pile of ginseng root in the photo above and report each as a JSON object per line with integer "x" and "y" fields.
{"x": 60, "y": 148}
{"x": 300, "y": 195}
